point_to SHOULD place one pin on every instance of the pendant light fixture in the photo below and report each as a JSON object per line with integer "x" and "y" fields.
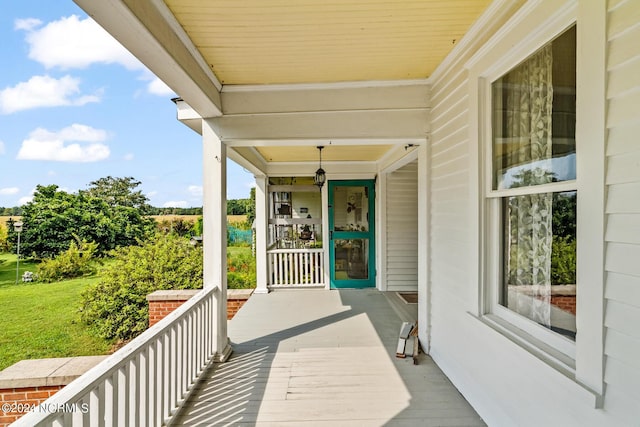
{"x": 320, "y": 177}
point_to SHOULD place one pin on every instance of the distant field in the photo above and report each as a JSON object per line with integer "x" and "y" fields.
{"x": 4, "y": 219}
{"x": 193, "y": 218}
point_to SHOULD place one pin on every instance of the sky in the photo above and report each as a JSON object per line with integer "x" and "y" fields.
{"x": 75, "y": 106}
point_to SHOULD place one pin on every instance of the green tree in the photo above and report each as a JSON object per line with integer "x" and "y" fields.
{"x": 251, "y": 207}
{"x": 119, "y": 192}
{"x": 55, "y": 218}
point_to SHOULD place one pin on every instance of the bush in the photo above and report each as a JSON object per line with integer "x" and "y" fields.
{"x": 116, "y": 307}
{"x": 77, "y": 261}
{"x": 241, "y": 272}
{"x": 4, "y": 242}
{"x": 563, "y": 261}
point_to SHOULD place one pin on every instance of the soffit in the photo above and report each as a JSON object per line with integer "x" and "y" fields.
{"x": 314, "y": 41}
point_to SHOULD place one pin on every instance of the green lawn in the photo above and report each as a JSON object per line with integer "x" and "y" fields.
{"x": 40, "y": 320}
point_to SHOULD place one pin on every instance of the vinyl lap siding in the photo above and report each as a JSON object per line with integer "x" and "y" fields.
{"x": 622, "y": 269}
{"x": 449, "y": 190}
{"x": 402, "y": 229}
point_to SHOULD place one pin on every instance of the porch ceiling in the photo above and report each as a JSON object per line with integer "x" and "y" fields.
{"x": 311, "y": 41}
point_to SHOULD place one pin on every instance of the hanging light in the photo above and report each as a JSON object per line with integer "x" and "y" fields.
{"x": 320, "y": 177}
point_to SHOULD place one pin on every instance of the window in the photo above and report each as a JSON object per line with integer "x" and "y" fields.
{"x": 533, "y": 193}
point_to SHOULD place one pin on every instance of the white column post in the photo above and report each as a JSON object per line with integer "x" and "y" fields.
{"x": 261, "y": 234}
{"x": 214, "y": 238}
{"x": 424, "y": 287}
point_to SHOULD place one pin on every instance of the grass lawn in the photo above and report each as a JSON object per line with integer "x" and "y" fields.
{"x": 40, "y": 320}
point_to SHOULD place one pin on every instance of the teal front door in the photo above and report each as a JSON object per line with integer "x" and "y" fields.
{"x": 352, "y": 234}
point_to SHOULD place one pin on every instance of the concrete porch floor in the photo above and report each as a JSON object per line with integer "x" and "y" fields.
{"x": 317, "y": 357}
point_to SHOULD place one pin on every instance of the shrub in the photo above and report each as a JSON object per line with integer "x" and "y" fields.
{"x": 116, "y": 306}
{"x": 4, "y": 242}
{"x": 563, "y": 261}
{"x": 241, "y": 272}
{"x": 77, "y": 261}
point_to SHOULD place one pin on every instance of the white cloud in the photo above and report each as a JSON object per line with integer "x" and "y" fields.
{"x": 24, "y": 200}
{"x": 72, "y": 42}
{"x": 44, "y": 91}
{"x": 128, "y": 157}
{"x": 152, "y": 193}
{"x": 43, "y": 144}
{"x": 27, "y": 24}
{"x": 158, "y": 87}
{"x": 195, "y": 190}
{"x": 175, "y": 204}
{"x": 1, "y": 148}
{"x": 9, "y": 191}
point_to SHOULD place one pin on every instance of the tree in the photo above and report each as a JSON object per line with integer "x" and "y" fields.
{"x": 55, "y": 218}
{"x": 119, "y": 192}
{"x": 251, "y": 207}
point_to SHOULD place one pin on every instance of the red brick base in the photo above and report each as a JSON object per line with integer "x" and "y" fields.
{"x": 20, "y": 400}
{"x": 158, "y": 310}
{"x": 161, "y": 303}
{"x": 565, "y": 303}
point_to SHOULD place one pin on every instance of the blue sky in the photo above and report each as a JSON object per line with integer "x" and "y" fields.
{"x": 75, "y": 106}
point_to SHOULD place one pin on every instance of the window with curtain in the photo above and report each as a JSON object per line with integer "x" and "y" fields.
{"x": 533, "y": 190}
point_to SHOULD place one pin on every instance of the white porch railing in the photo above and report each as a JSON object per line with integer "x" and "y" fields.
{"x": 295, "y": 267}
{"x": 145, "y": 382}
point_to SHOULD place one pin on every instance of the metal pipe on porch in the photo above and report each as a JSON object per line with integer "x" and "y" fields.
{"x": 214, "y": 239}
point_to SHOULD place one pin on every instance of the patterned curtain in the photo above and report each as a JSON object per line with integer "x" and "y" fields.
{"x": 528, "y": 120}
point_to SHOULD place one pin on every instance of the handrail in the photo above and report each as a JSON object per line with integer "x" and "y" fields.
{"x": 143, "y": 383}
{"x": 296, "y": 250}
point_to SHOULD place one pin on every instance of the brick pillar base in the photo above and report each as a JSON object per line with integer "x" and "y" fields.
{"x": 28, "y": 383}
{"x": 161, "y": 303}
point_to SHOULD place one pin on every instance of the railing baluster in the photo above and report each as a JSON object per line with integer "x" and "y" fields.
{"x": 172, "y": 369}
{"x": 179, "y": 386}
{"x": 143, "y": 387}
{"x": 159, "y": 380}
{"x": 122, "y": 396}
{"x": 109, "y": 407}
{"x": 94, "y": 407}
{"x": 77, "y": 417}
{"x": 132, "y": 401}
{"x": 166, "y": 374}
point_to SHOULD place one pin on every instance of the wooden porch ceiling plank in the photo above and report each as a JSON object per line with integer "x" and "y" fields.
{"x": 282, "y": 42}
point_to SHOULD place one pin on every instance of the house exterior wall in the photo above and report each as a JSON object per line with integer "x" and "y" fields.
{"x": 505, "y": 382}
{"x": 622, "y": 270}
{"x": 402, "y": 229}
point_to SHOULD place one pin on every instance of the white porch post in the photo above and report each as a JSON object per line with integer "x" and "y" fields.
{"x": 424, "y": 287}
{"x": 261, "y": 235}
{"x": 214, "y": 239}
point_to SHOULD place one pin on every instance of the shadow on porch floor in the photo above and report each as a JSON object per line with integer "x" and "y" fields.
{"x": 316, "y": 357}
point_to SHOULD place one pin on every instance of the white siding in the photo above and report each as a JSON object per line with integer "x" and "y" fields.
{"x": 622, "y": 281}
{"x": 505, "y": 383}
{"x": 402, "y": 229}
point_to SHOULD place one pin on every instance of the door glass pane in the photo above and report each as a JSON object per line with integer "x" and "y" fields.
{"x": 351, "y": 259}
{"x": 351, "y": 208}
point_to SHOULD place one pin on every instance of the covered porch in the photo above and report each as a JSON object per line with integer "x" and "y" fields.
{"x": 314, "y": 357}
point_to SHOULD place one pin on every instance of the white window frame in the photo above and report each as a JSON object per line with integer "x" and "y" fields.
{"x": 533, "y": 26}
